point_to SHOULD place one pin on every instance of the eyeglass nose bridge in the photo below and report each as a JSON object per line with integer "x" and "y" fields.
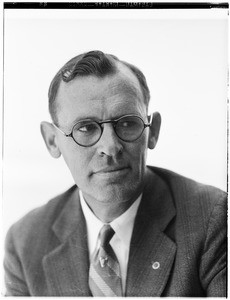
{"x": 113, "y": 122}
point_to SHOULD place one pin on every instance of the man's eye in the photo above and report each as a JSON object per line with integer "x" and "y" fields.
{"x": 127, "y": 124}
{"x": 87, "y": 128}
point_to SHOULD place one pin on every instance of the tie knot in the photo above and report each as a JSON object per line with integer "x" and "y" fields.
{"x": 106, "y": 234}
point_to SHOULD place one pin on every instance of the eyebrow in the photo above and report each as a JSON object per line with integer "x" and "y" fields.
{"x": 83, "y": 118}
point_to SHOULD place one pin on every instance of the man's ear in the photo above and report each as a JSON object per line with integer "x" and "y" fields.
{"x": 49, "y": 136}
{"x": 154, "y": 130}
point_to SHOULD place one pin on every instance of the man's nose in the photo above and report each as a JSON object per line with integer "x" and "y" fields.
{"x": 109, "y": 143}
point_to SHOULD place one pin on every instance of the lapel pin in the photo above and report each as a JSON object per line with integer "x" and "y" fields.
{"x": 156, "y": 265}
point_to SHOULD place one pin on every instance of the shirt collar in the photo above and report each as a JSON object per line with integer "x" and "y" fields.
{"x": 123, "y": 225}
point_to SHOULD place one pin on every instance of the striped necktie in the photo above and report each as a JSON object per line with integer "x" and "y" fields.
{"x": 104, "y": 272}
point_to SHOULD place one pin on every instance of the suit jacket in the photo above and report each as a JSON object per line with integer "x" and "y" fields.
{"x": 180, "y": 224}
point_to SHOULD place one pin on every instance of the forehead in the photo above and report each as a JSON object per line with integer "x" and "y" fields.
{"x": 105, "y": 97}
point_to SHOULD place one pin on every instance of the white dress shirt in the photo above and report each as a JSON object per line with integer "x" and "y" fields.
{"x": 120, "y": 242}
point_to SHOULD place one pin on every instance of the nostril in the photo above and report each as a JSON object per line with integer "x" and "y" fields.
{"x": 109, "y": 150}
{"x": 120, "y": 150}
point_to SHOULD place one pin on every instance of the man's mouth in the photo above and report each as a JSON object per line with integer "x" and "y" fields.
{"x": 111, "y": 170}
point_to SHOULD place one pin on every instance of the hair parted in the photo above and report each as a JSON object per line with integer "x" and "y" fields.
{"x": 94, "y": 63}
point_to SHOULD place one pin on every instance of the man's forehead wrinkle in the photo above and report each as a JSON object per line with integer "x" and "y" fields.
{"x": 126, "y": 87}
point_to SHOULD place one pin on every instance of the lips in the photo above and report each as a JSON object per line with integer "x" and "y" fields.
{"x": 111, "y": 170}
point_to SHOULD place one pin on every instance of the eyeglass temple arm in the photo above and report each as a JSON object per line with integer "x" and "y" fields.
{"x": 61, "y": 130}
{"x": 150, "y": 121}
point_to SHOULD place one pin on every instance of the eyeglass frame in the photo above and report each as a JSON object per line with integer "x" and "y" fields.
{"x": 113, "y": 122}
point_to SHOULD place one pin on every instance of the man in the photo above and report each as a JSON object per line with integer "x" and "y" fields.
{"x": 124, "y": 228}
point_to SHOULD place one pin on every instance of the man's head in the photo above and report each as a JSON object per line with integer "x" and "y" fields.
{"x": 98, "y": 87}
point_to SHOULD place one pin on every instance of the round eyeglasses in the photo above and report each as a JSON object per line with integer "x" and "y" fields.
{"x": 88, "y": 132}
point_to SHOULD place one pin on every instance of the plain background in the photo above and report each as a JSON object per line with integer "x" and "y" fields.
{"x": 183, "y": 55}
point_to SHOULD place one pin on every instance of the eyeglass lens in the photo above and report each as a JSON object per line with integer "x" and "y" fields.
{"x": 88, "y": 132}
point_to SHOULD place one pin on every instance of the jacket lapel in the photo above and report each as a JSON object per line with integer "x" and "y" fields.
{"x": 152, "y": 252}
{"x": 66, "y": 267}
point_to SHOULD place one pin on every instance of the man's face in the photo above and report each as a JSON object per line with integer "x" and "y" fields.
{"x": 111, "y": 170}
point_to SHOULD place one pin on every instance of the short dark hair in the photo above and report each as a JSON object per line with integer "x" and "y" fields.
{"x": 91, "y": 63}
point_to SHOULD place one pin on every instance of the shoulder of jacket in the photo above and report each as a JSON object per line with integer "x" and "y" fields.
{"x": 41, "y": 216}
{"x": 190, "y": 193}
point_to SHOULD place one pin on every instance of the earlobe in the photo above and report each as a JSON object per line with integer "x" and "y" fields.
{"x": 154, "y": 130}
{"x": 49, "y": 136}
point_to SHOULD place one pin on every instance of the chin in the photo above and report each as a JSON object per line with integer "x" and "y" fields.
{"x": 112, "y": 194}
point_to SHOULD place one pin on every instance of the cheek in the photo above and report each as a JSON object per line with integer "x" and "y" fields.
{"x": 82, "y": 165}
{"x": 138, "y": 151}
{"x": 78, "y": 161}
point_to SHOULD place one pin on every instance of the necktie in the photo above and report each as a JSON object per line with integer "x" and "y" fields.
{"x": 104, "y": 273}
